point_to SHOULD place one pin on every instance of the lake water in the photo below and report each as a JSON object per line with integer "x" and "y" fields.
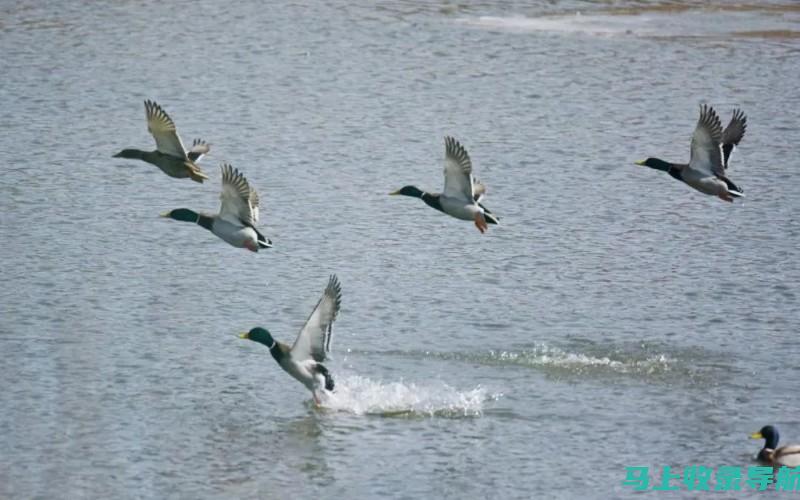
{"x": 616, "y": 317}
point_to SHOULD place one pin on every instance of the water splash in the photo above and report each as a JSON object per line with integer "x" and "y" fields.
{"x": 548, "y": 356}
{"x": 363, "y": 396}
{"x": 660, "y": 364}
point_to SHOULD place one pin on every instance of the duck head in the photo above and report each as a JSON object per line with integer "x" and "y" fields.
{"x": 182, "y": 214}
{"x": 769, "y": 434}
{"x": 260, "y": 335}
{"x": 412, "y": 191}
{"x": 655, "y": 163}
{"x": 133, "y": 154}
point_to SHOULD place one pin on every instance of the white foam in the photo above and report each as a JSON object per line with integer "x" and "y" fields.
{"x": 551, "y": 356}
{"x": 363, "y": 396}
{"x": 595, "y": 24}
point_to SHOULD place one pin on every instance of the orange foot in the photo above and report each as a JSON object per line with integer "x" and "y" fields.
{"x": 480, "y": 223}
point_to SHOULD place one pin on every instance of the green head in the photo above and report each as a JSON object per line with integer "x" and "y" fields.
{"x": 133, "y": 154}
{"x": 655, "y": 163}
{"x": 412, "y": 191}
{"x": 182, "y": 214}
{"x": 769, "y": 434}
{"x": 260, "y": 335}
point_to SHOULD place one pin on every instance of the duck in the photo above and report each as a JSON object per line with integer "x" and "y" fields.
{"x": 462, "y": 194}
{"x": 710, "y": 154}
{"x": 303, "y": 360}
{"x": 236, "y": 222}
{"x": 770, "y": 454}
{"x": 170, "y": 155}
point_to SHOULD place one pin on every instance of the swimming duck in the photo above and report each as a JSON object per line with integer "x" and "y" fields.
{"x": 170, "y": 155}
{"x": 710, "y": 152}
{"x": 238, "y": 213}
{"x": 462, "y": 193}
{"x": 770, "y": 454}
{"x": 303, "y": 360}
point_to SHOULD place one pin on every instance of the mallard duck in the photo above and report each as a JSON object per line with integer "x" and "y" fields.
{"x": 462, "y": 193}
{"x": 303, "y": 360}
{"x": 770, "y": 454}
{"x": 710, "y": 152}
{"x": 238, "y": 213}
{"x": 170, "y": 155}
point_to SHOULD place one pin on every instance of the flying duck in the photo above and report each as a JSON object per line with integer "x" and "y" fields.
{"x": 303, "y": 360}
{"x": 462, "y": 193}
{"x": 238, "y": 213}
{"x": 710, "y": 152}
{"x": 770, "y": 454}
{"x": 170, "y": 155}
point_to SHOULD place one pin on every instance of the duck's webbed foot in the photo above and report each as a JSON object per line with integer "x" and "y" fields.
{"x": 480, "y": 223}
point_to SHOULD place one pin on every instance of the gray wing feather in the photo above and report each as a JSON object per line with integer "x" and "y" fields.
{"x": 733, "y": 133}
{"x": 457, "y": 171}
{"x": 706, "y": 151}
{"x": 235, "y": 198}
{"x": 314, "y": 339}
{"x": 163, "y": 130}
{"x": 199, "y": 149}
{"x": 478, "y": 190}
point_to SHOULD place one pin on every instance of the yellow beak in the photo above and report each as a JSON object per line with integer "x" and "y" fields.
{"x": 245, "y": 335}
{"x": 394, "y": 193}
{"x": 756, "y": 435}
{"x": 165, "y": 214}
{"x": 640, "y": 162}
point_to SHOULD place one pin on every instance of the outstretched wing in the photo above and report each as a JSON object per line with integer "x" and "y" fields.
{"x": 732, "y": 135}
{"x": 457, "y": 171}
{"x": 314, "y": 340}
{"x": 162, "y": 128}
{"x": 706, "y": 153}
{"x": 199, "y": 149}
{"x": 235, "y": 198}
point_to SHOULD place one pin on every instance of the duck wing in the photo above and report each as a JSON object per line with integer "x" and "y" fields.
{"x": 478, "y": 190}
{"x": 732, "y": 135}
{"x": 235, "y": 198}
{"x": 706, "y": 153}
{"x": 457, "y": 171}
{"x": 788, "y": 455}
{"x": 314, "y": 339}
{"x": 199, "y": 149}
{"x": 162, "y": 128}
{"x": 254, "y": 204}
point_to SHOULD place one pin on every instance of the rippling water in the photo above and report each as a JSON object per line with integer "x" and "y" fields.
{"x": 615, "y": 318}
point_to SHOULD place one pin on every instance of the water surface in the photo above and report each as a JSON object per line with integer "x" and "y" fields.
{"x": 615, "y": 318}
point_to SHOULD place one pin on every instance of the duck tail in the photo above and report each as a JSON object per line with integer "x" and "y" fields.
{"x": 733, "y": 189}
{"x": 263, "y": 241}
{"x": 490, "y": 218}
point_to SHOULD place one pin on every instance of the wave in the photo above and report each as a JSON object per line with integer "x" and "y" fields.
{"x": 576, "y": 23}
{"x": 665, "y": 21}
{"x": 647, "y": 363}
{"x": 363, "y": 396}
